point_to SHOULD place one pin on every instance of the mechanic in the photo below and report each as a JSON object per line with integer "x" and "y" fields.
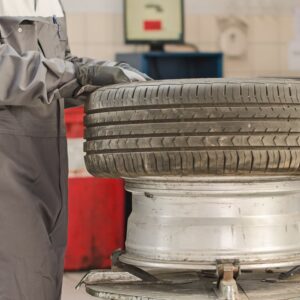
{"x": 38, "y": 77}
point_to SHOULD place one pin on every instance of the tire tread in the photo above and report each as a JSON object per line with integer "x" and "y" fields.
{"x": 194, "y": 127}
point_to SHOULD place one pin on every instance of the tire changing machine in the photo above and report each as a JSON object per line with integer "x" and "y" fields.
{"x": 225, "y": 238}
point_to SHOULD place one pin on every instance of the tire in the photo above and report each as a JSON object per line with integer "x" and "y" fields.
{"x": 194, "y": 127}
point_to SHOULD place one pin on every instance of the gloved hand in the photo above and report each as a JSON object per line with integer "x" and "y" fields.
{"x": 107, "y": 73}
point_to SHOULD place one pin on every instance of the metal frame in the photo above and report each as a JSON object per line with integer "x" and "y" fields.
{"x": 131, "y": 283}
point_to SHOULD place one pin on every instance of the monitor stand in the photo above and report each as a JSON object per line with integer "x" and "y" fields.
{"x": 157, "y": 48}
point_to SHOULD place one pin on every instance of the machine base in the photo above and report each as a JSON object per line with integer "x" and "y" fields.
{"x": 190, "y": 286}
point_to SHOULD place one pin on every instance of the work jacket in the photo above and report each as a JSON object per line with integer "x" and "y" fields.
{"x": 38, "y": 66}
{"x": 36, "y": 74}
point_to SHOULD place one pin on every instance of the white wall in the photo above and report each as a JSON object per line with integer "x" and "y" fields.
{"x": 96, "y": 30}
{"x": 193, "y": 6}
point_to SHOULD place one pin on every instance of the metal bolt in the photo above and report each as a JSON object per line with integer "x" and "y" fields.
{"x": 228, "y": 272}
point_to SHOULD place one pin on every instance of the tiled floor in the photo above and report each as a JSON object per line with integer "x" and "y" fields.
{"x": 69, "y": 292}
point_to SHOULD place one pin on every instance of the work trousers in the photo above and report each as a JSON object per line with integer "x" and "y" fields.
{"x": 33, "y": 216}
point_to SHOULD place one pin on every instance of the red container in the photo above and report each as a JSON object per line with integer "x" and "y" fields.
{"x": 74, "y": 122}
{"x": 96, "y": 207}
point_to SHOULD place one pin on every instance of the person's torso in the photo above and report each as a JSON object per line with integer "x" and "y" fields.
{"x": 33, "y": 25}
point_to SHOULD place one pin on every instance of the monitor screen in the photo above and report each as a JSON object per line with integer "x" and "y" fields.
{"x": 154, "y": 21}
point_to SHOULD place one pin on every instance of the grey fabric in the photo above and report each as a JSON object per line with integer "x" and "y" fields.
{"x": 33, "y": 217}
{"x": 31, "y": 79}
{"x": 35, "y": 76}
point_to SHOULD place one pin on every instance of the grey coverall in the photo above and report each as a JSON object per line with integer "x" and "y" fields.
{"x": 36, "y": 73}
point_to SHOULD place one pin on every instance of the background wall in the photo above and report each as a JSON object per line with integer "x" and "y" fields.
{"x": 96, "y": 30}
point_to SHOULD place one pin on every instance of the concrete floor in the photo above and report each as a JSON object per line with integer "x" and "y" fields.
{"x": 69, "y": 292}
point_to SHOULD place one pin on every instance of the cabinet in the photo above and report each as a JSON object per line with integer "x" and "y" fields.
{"x": 164, "y": 65}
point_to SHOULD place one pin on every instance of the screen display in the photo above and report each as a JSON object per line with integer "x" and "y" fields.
{"x": 154, "y": 20}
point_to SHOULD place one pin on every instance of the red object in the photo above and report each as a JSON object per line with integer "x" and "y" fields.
{"x": 74, "y": 122}
{"x": 96, "y": 211}
{"x": 152, "y": 25}
{"x": 96, "y": 222}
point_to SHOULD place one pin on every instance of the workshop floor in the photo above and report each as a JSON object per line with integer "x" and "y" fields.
{"x": 69, "y": 292}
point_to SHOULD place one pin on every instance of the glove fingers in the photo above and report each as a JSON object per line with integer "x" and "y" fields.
{"x": 134, "y": 76}
{"x": 105, "y": 75}
{"x": 127, "y": 67}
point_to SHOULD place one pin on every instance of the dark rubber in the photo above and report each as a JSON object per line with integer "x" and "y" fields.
{"x": 194, "y": 127}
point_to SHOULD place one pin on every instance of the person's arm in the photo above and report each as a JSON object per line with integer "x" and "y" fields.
{"x": 28, "y": 79}
{"x": 102, "y": 73}
{"x": 92, "y": 74}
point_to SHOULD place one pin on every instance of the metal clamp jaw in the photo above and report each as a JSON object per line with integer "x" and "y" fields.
{"x": 120, "y": 272}
{"x": 228, "y": 272}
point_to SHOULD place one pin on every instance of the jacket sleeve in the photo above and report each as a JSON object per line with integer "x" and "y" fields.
{"x": 71, "y": 99}
{"x": 29, "y": 79}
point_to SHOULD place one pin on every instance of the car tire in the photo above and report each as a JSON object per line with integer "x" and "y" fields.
{"x": 194, "y": 127}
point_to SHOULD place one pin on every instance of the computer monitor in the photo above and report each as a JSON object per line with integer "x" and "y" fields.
{"x": 154, "y": 22}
